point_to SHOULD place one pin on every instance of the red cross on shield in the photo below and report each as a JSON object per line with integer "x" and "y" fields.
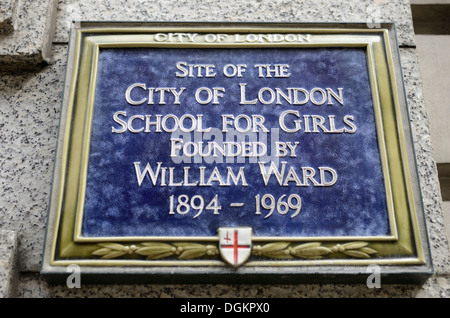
{"x": 235, "y": 244}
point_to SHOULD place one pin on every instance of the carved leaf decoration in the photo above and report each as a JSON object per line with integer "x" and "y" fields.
{"x": 187, "y": 245}
{"x": 272, "y": 247}
{"x": 114, "y": 254}
{"x": 188, "y": 250}
{"x": 191, "y": 250}
{"x": 356, "y": 253}
{"x": 310, "y": 251}
{"x": 274, "y": 250}
{"x": 193, "y": 253}
{"x": 306, "y": 245}
{"x": 354, "y": 245}
{"x": 194, "y": 250}
{"x": 113, "y": 246}
{"x": 156, "y": 250}
{"x": 368, "y": 250}
{"x": 358, "y": 249}
{"x": 102, "y": 251}
{"x": 110, "y": 250}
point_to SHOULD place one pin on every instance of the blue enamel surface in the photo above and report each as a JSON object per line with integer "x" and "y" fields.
{"x": 116, "y": 205}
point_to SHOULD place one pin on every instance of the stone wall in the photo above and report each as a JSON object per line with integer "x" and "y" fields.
{"x": 33, "y": 52}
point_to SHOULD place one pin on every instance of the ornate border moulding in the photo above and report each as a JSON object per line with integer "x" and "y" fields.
{"x": 237, "y": 254}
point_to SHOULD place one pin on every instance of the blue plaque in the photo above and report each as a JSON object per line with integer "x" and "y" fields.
{"x": 215, "y": 146}
{"x": 319, "y": 117}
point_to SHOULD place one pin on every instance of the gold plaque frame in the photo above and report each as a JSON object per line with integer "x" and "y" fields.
{"x": 403, "y": 253}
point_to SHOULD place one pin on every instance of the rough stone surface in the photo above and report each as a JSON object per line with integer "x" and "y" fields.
{"x": 8, "y": 268}
{"x": 367, "y": 11}
{"x": 435, "y": 67}
{"x": 28, "y": 46}
{"x": 7, "y": 15}
{"x": 32, "y": 286}
{"x": 425, "y": 163}
{"x": 29, "y": 119}
{"x": 446, "y": 213}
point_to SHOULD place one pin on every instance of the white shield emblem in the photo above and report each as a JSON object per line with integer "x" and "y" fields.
{"x": 235, "y": 244}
